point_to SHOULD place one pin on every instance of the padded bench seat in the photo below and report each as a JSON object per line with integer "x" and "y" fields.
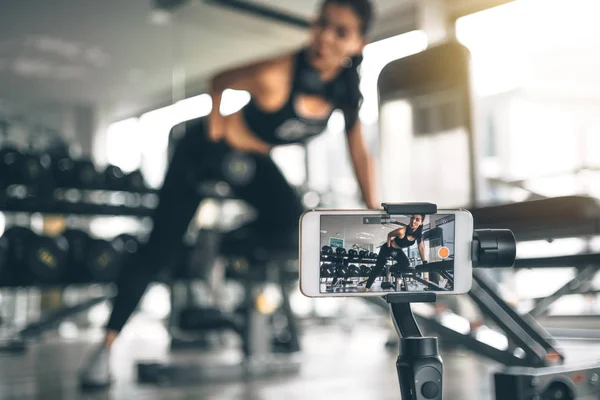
{"x": 558, "y": 217}
{"x": 260, "y": 246}
{"x": 259, "y": 250}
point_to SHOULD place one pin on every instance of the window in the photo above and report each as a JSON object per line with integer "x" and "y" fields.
{"x": 123, "y": 144}
{"x": 535, "y": 72}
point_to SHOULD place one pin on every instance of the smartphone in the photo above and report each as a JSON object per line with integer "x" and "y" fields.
{"x": 347, "y": 253}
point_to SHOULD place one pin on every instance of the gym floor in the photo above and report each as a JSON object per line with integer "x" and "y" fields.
{"x": 336, "y": 363}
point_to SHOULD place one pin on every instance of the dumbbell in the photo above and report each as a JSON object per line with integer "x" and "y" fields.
{"x": 79, "y": 246}
{"x": 387, "y": 285}
{"x": 327, "y": 271}
{"x": 106, "y": 258}
{"x": 10, "y": 165}
{"x": 365, "y": 271}
{"x": 127, "y": 244}
{"x": 78, "y": 174}
{"x": 35, "y": 259}
{"x": 26, "y": 169}
{"x": 323, "y": 271}
{"x": 334, "y": 267}
{"x": 342, "y": 271}
{"x": 363, "y": 254}
{"x": 350, "y": 271}
{"x": 114, "y": 178}
{"x": 96, "y": 260}
{"x": 35, "y": 171}
{"x": 134, "y": 181}
{"x": 102, "y": 264}
{"x": 340, "y": 251}
{"x": 326, "y": 251}
{"x": 354, "y": 271}
{"x": 372, "y": 255}
{"x": 352, "y": 253}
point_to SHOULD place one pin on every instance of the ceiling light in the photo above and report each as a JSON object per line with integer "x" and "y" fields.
{"x": 160, "y": 17}
{"x": 311, "y": 199}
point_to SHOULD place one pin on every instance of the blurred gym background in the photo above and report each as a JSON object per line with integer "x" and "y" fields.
{"x": 106, "y": 81}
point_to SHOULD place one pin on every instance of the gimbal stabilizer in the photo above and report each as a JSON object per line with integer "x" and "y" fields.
{"x": 419, "y": 365}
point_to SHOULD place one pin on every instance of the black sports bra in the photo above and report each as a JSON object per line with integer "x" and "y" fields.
{"x": 286, "y": 126}
{"x": 405, "y": 242}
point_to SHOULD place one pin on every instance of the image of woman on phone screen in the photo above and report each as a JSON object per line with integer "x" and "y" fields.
{"x": 399, "y": 239}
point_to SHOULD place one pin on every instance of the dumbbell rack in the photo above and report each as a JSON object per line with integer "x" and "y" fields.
{"x": 85, "y": 202}
{"x": 69, "y": 201}
{"x": 346, "y": 260}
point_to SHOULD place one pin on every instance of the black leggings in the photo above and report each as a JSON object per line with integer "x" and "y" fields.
{"x": 385, "y": 253}
{"x": 253, "y": 178}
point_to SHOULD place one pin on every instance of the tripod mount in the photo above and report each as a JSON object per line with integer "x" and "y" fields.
{"x": 419, "y": 365}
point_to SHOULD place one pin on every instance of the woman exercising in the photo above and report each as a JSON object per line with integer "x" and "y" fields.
{"x": 292, "y": 98}
{"x": 397, "y": 240}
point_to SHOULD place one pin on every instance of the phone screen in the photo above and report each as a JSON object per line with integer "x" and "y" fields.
{"x": 382, "y": 253}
